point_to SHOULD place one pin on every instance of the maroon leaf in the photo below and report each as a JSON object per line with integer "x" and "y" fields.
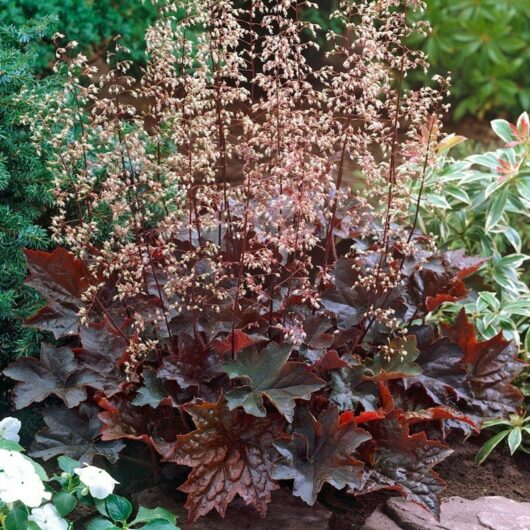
{"x": 402, "y": 462}
{"x": 490, "y": 368}
{"x": 440, "y": 413}
{"x": 329, "y": 361}
{"x": 443, "y": 376}
{"x": 102, "y": 348}
{"x": 56, "y": 372}
{"x": 320, "y": 450}
{"x": 122, "y": 420}
{"x": 230, "y": 454}
{"x": 74, "y": 434}
{"x": 194, "y": 364}
{"x": 239, "y": 340}
{"x": 61, "y": 279}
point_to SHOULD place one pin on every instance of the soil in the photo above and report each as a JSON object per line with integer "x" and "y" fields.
{"x": 500, "y": 475}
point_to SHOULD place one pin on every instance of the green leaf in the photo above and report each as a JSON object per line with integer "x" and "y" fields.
{"x": 398, "y": 362}
{"x": 493, "y": 423}
{"x": 118, "y": 508}
{"x": 153, "y": 391}
{"x": 503, "y": 130}
{"x": 9, "y": 445}
{"x": 523, "y": 187}
{"x": 514, "y": 439}
{"x": 17, "y": 519}
{"x": 458, "y": 193}
{"x": 488, "y": 447}
{"x": 513, "y": 260}
{"x": 496, "y": 210}
{"x": 101, "y": 524}
{"x": 64, "y": 502}
{"x": 159, "y": 524}
{"x": 146, "y": 515}
{"x": 513, "y": 238}
{"x": 68, "y": 464}
{"x": 270, "y": 374}
{"x": 439, "y": 201}
{"x": 490, "y": 299}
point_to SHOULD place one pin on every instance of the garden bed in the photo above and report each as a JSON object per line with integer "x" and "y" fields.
{"x": 501, "y": 475}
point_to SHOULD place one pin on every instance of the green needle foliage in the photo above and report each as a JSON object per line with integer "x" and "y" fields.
{"x": 92, "y": 23}
{"x": 25, "y": 188}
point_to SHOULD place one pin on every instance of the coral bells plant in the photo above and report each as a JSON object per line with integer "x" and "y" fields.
{"x": 224, "y": 292}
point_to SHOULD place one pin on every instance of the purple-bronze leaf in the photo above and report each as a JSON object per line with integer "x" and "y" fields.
{"x": 320, "y": 450}
{"x": 57, "y": 372}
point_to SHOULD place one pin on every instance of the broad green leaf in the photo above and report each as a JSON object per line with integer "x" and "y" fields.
{"x": 64, "y": 502}
{"x": 68, "y": 464}
{"x": 514, "y": 439}
{"x": 101, "y": 524}
{"x": 118, "y": 508}
{"x": 270, "y": 374}
{"x": 398, "y": 361}
{"x": 523, "y": 120}
{"x": 513, "y": 237}
{"x": 503, "y": 130}
{"x": 493, "y": 187}
{"x": 9, "y": 445}
{"x": 17, "y": 518}
{"x": 439, "y": 201}
{"x": 153, "y": 391}
{"x": 488, "y": 447}
{"x": 159, "y": 524}
{"x": 518, "y": 307}
{"x": 150, "y": 514}
{"x": 489, "y": 160}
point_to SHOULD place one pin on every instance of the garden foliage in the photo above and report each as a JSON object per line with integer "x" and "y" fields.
{"x": 31, "y": 500}
{"x": 484, "y": 45}
{"x": 93, "y": 24}
{"x": 26, "y": 199}
{"x": 222, "y": 295}
{"x": 484, "y": 210}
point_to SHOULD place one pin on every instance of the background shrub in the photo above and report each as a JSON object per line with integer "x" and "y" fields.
{"x": 91, "y": 23}
{"x": 485, "y": 46}
{"x": 25, "y": 190}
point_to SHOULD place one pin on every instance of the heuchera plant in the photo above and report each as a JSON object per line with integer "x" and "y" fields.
{"x": 229, "y": 298}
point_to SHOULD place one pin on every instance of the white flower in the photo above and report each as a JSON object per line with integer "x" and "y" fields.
{"x": 9, "y": 429}
{"x": 48, "y": 518}
{"x": 99, "y": 482}
{"x": 19, "y": 480}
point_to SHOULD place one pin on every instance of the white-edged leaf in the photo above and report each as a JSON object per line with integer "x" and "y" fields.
{"x": 503, "y": 130}
{"x": 496, "y": 210}
{"x": 514, "y": 439}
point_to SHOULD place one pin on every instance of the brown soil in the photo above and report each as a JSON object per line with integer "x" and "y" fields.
{"x": 499, "y": 475}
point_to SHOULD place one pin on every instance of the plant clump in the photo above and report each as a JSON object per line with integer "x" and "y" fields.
{"x": 225, "y": 293}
